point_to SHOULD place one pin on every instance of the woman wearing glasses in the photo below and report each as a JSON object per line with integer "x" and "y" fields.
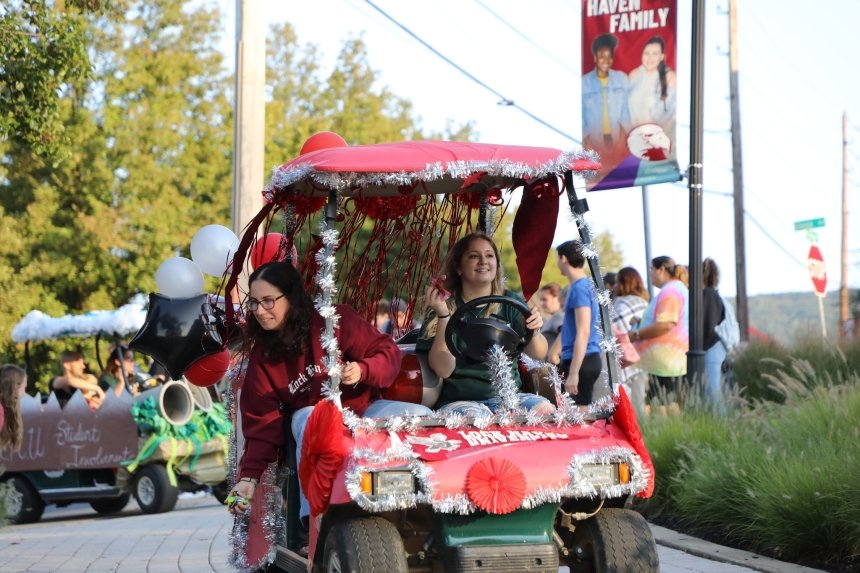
{"x": 286, "y": 370}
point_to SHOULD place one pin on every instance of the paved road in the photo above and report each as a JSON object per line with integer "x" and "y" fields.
{"x": 193, "y": 539}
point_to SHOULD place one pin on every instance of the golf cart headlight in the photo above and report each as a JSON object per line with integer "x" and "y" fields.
{"x": 389, "y": 483}
{"x": 601, "y": 475}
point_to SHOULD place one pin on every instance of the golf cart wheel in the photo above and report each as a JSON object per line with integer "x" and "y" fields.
{"x": 23, "y": 503}
{"x": 617, "y": 540}
{"x": 364, "y": 545}
{"x": 153, "y": 491}
{"x": 110, "y": 504}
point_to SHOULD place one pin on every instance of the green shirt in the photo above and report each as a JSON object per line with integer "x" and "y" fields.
{"x": 107, "y": 381}
{"x": 473, "y": 380}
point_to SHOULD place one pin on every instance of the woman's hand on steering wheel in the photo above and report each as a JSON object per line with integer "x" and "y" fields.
{"x": 535, "y": 320}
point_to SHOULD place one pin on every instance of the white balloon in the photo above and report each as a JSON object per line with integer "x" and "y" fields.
{"x": 178, "y": 277}
{"x": 212, "y": 248}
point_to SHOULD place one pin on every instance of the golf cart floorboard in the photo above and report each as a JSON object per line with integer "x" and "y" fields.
{"x": 541, "y": 558}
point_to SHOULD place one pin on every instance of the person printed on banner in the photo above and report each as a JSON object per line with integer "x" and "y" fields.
{"x": 473, "y": 269}
{"x": 653, "y": 95}
{"x": 550, "y": 303}
{"x": 286, "y": 371}
{"x": 605, "y": 110}
{"x": 715, "y": 351}
{"x": 120, "y": 368}
{"x": 630, "y": 302}
{"x": 75, "y": 377}
{"x": 661, "y": 338}
{"x": 577, "y": 350}
{"x": 398, "y": 322}
{"x": 13, "y": 386}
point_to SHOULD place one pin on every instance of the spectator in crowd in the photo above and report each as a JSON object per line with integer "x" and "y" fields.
{"x": 75, "y": 377}
{"x": 661, "y": 338}
{"x": 630, "y": 302}
{"x": 473, "y": 269}
{"x": 609, "y": 282}
{"x": 13, "y": 386}
{"x": 577, "y": 350}
{"x": 399, "y": 322}
{"x": 383, "y": 313}
{"x": 550, "y": 303}
{"x": 715, "y": 352}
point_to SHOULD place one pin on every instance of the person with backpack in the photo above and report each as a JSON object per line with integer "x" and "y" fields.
{"x": 715, "y": 350}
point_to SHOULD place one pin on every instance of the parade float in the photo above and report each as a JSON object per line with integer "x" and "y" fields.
{"x": 171, "y": 437}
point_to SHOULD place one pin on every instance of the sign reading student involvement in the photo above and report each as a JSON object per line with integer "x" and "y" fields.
{"x": 629, "y": 90}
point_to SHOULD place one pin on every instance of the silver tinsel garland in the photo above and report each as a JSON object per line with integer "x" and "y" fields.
{"x": 326, "y": 266}
{"x": 503, "y": 384}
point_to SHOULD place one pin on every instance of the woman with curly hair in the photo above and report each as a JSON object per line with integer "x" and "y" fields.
{"x": 13, "y": 386}
{"x": 286, "y": 370}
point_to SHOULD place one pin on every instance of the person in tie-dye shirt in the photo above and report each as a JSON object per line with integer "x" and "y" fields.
{"x": 661, "y": 338}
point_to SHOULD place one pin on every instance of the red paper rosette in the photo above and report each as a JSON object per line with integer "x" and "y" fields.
{"x": 496, "y": 485}
{"x": 382, "y": 208}
{"x": 323, "y": 452}
{"x": 625, "y": 417}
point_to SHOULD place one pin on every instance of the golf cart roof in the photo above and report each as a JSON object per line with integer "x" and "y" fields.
{"x": 409, "y": 167}
{"x": 37, "y": 325}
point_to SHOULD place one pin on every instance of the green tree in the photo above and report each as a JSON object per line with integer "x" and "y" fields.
{"x": 42, "y": 52}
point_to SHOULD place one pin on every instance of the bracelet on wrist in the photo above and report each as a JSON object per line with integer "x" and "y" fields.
{"x": 254, "y": 481}
{"x": 444, "y": 316}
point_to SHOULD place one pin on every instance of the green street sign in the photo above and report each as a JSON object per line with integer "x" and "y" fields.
{"x": 809, "y": 224}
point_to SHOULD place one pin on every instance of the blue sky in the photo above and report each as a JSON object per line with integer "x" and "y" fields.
{"x": 797, "y": 77}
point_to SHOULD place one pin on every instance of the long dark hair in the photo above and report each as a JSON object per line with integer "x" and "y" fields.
{"x": 710, "y": 273}
{"x": 662, "y": 68}
{"x": 293, "y": 338}
{"x": 11, "y": 434}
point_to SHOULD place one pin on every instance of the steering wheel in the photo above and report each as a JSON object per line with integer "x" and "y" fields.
{"x": 472, "y": 338}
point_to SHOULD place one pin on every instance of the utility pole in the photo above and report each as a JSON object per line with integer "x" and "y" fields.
{"x": 646, "y": 224}
{"x": 843, "y": 285}
{"x": 696, "y": 353}
{"x": 249, "y": 115}
{"x": 738, "y": 173}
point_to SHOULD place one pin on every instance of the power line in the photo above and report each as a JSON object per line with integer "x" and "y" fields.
{"x": 502, "y": 99}
{"x": 531, "y": 42}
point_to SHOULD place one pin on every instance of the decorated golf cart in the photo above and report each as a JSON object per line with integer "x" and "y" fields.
{"x": 507, "y": 491}
{"x": 170, "y": 437}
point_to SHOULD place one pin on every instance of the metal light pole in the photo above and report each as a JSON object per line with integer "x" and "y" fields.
{"x": 696, "y": 355}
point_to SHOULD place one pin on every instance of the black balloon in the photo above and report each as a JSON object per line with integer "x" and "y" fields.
{"x": 178, "y": 332}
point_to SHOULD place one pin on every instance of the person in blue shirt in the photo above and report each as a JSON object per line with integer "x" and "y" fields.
{"x": 605, "y": 109}
{"x": 577, "y": 350}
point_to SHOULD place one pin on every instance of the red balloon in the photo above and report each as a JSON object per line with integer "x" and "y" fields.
{"x": 209, "y": 369}
{"x": 266, "y": 250}
{"x": 322, "y": 140}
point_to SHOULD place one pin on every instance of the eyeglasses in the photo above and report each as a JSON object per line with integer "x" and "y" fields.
{"x": 266, "y": 303}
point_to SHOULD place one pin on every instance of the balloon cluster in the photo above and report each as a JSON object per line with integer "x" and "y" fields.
{"x": 181, "y": 330}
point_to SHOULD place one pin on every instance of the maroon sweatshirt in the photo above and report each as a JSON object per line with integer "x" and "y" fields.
{"x": 273, "y": 390}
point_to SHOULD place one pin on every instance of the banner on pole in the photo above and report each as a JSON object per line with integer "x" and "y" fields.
{"x": 629, "y": 90}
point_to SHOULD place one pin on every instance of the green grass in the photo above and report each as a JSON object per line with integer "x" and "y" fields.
{"x": 780, "y": 477}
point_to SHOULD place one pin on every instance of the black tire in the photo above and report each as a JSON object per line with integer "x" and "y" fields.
{"x": 221, "y": 491}
{"x": 364, "y": 545}
{"x": 153, "y": 491}
{"x": 613, "y": 541}
{"x": 110, "y": 504}
{"x": 23, "y": 502}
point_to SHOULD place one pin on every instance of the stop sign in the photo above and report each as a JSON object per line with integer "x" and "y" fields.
{"x": 817, "y": 270}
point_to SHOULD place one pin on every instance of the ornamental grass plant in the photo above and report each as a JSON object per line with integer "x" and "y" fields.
{"x": 773, "y": 476}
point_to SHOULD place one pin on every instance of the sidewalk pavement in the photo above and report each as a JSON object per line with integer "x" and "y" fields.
{"x": 194, "y": 538}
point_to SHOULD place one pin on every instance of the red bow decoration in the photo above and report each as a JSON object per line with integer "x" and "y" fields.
{"x": 323, "y": 452}
{"x": 532, "y": 235}
{"x": 496, "y": 485}
{"x": 625, "y": 417}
